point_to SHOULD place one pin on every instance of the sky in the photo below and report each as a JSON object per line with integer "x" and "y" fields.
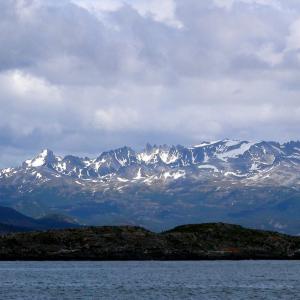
{"x": 84, "y": 76}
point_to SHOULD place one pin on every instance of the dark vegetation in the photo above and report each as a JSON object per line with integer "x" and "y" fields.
{"x": 188, "y": 242}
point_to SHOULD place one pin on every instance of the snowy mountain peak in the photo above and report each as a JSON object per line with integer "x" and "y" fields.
{"x": 44, "y": 158}
{"x": 227, "y": 158}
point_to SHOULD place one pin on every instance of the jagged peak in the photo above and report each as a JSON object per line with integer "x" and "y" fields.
{"x": 44, "y": 157}
{"x": 164, "y": 156}
{"x": 45, "y": 152}
{"x": 121, "y": 156}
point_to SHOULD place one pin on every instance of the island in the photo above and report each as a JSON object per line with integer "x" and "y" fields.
{"x": 214, "y": 241}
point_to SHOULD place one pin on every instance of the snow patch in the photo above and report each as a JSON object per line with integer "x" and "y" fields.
{"x": 122, "y": 179}
{"x": 204, "y": 144}
{"x": 254, "y": 166}
{"x": 139, "y": 175}
{"x": 235, "y": 152}
{"x": 231, "y": 143}
{"x": 205, "y": 167}
{"x": 206, "y": 157}
{"x": 175, "y": 175}
{"x": 38, "y": 175}
{"x": 145, "y": 157}
{"x": 167, "y": 158}
{"x": 234, "y": 174}
{"x": 7, "y": 172}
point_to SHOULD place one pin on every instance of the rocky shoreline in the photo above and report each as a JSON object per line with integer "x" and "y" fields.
{"x": 215, "y": 241}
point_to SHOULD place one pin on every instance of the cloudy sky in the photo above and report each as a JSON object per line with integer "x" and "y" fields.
{"x": 83, "y": 76}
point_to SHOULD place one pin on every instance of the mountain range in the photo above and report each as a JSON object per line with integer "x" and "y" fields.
{"x": 255, "y": 184}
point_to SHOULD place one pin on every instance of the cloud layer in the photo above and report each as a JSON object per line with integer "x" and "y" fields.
{"x": 84, "y": 76}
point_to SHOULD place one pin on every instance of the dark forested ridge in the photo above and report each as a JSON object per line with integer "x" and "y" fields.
{"x": 188, "y": 242}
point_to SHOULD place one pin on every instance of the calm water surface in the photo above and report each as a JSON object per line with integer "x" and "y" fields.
{"x": 150, "y": 280}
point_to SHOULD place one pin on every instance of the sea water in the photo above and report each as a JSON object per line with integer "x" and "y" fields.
{"x": 150, "y": 280}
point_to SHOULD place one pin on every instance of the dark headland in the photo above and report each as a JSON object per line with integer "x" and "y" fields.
{"x": 188, "y": 242}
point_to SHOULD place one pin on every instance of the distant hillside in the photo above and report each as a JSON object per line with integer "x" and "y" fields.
{"x": 13, "y": 221}
{"x": 5, "y": 229}
{"x": 9, "y": 216}
{"x": 57, "y": 221}
{"x": 189, "y": 242}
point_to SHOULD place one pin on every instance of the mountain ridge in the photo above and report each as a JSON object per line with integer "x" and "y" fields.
{"x": 256, "y": 184}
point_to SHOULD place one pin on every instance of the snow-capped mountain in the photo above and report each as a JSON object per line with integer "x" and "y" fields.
{"x": 162, "y": 186}
{"x": 227, "y": 158}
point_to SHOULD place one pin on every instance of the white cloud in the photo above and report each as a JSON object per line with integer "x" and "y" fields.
{"x": 116, "y": 119}
{"x": 96, "y": 6}
{"x": 165, "y": 72}
{"x": 293, "y": 39}
{"x": 25, "y": 9}
{"x": 26, "y": 87}
{"x": 228, "y": 4}
{"x": 161, "y": 11}
{"x": 28, "y": 103}
{"x": 268, "y": 54}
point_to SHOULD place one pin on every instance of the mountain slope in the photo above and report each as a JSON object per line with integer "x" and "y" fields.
{"x": 9, "y": 216}
{"x": 6, "y": 229}
{"x": 253, "y": 184}
{"x": 13, "y": 221}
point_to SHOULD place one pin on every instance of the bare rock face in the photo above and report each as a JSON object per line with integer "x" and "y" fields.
{"x": 189, "y": 242}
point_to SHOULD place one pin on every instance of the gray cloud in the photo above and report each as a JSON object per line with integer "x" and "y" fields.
{"x": 84, "y": 76}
